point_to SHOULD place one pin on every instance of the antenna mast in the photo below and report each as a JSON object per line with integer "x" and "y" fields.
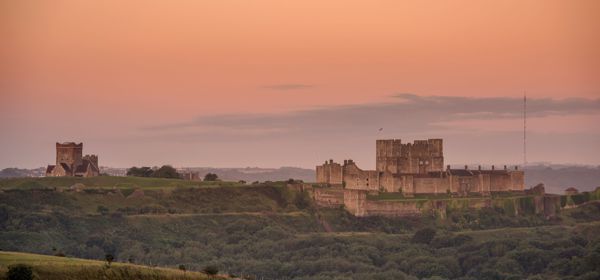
{"x": 524, "y": 128}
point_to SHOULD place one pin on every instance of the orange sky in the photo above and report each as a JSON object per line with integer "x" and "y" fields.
{"x": 130, "y": 64}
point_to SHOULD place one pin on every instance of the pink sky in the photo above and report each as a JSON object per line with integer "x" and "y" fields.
{"x": 103, "y": 72}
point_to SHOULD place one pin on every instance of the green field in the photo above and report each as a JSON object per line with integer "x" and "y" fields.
{"x": 65, "y": 268}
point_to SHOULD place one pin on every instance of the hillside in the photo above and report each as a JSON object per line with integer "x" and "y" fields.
{"x": 268, "y": 231}
{"x": 556, "y": 177}
{"x": 63, "y": 268}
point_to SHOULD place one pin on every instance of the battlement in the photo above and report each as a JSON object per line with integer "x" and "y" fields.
{"x": 69, "y": 145}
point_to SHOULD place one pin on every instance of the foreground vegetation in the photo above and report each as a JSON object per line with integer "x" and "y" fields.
{"x": 64, "y": 268}
{"x": 270, "y": 232}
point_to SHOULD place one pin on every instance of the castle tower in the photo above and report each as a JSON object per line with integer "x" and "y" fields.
{"x": 388, "y": 155}
{"x": 69, "y": 153}
{"x": 420, "y": 157}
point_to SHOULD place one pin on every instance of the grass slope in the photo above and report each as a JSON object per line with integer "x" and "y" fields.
{"x": 105, "y": 182}
{"x": 65, "y": 268}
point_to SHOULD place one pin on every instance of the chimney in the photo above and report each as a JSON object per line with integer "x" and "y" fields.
{"x": 331, "y": 161}
{"x": 345, "y": 161}
{"x": 479, "y": 167}
{"x": 505, "y": 167}
{"x": 493, "y": 167}
{"x": 516, "y": 167}
{"x": 448, "y": 167}
{"x": 466, "y": 167}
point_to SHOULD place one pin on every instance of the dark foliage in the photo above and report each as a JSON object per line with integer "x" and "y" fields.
{"x": 210, "y": 270}
{"x": 211, "y": 177}
{"x": 140, "y": 172}
{"x": 424, "y": 236}
{"x": 166, "y": 171}
{"x": 19, "y": 272}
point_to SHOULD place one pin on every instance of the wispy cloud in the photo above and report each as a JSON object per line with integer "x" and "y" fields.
{"x": 288, "y": 86}
{"x": 405, "y": 113}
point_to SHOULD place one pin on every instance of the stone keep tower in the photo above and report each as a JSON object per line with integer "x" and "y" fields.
{"x": 420, "y": 157}
{"x": 69, "y": 153}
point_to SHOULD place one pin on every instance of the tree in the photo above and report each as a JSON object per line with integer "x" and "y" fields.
{"x": 166, "y": 171}
{"x": 109, "y": 259}
{"x": 211, "y": 177}
{"x": 19, "y": 272}
{"x": 182, "y": 268}
{"x": 102, "y": 210}
{"x": 302, "y": 200}
{"x": 211, "y": 270}
{"x": 424, "y": 236}
{"x": 140, "y": 172}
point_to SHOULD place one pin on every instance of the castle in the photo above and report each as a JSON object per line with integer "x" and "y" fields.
{"x": 418, "y": 168}
{"x": 71, "y": 162}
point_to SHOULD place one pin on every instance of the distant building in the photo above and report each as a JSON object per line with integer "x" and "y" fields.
{"x": 417, "y": 168}
{"x": 190, "y": 175}
{"x": 571, "y": 191}
{"x": 71, "y": 162}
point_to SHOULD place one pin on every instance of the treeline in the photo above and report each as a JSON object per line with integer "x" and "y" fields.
{"x": 165, "y": 171}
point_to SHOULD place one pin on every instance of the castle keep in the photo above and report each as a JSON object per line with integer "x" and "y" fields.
{"x": 417, "y": 168}
{"x": 71, "y": 162}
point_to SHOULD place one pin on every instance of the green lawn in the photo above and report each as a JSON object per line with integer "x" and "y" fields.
{"x": 51, "y": 267}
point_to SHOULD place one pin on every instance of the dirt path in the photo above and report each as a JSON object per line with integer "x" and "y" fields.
{"x": 295, "y": 214}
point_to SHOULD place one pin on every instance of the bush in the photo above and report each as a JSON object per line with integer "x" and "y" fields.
{"x": 19, "y": 272}
{"x": 210, "y": 270}
{"x": 166, "y": 171}
{"x": 102, "y": 210}
{"x": 424, "y": 236}
{"x": 211, "y": 177}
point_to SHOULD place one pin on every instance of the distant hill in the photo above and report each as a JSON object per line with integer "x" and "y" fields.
{"x": 557, "y": 178}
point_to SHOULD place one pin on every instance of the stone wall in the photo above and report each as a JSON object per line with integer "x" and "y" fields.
{"x": 356, "y": 178}
{"x": 328, "y": 197}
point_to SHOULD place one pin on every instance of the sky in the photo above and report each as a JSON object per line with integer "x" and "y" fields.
{"x": 293, "y": 83}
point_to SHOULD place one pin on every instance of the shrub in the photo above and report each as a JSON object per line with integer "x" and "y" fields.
{"x": 424, "y": 236}
{"x": 211, "y": 177}
{"x": 210, "y": 270}
{"x": 166, "y": 171}
{"x": 109, "y": 259}
{"x": 102, "y": 210}
{"x": 19, "y": 272}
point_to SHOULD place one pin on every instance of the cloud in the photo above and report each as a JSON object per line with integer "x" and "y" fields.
{"x": 403, "y": 114}
{"x": 288, "y": 86}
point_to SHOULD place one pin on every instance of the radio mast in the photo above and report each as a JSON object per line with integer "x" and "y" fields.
{"x": 524, "y": 128}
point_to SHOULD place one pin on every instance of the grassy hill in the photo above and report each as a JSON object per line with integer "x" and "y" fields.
{"x": 271, "y": 232}
{"x": 105, "y": 182}
{"x": 65, "y": 268}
